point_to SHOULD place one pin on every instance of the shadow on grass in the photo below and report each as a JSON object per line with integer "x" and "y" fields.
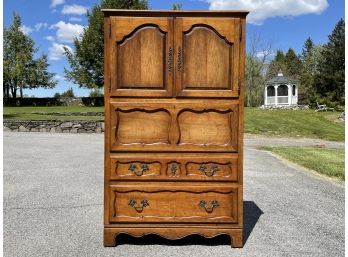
{"x": 252, "y": 214}
{"x": 10, "y": 116}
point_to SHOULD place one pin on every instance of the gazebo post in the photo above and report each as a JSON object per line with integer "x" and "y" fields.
{"x": 266, "y": 95}
{"x": 276, "y": 94}
{"x": 289, "y": 94}
{"x": 296, "y": 93}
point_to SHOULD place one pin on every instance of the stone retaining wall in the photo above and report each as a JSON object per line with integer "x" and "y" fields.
{"x": 54, "y": 126}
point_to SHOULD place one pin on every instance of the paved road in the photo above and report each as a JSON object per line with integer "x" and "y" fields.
{"x": 53, "y": 193}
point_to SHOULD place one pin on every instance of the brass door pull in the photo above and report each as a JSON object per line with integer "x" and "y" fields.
{"x": 170, "y": 59}
{"x": 180, "y": 58}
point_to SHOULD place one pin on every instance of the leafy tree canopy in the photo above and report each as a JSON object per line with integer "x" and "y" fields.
{"x": 330, "y": 80}
{"x": 87, "y": 59}
{"x": 307, "y": 48}
{"x": 20, "y": 69}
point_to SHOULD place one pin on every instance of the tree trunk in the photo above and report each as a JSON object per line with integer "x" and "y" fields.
{"x": 21, "y": 91}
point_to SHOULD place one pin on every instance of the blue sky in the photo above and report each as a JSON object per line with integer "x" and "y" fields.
{"x": 286, "y": 23}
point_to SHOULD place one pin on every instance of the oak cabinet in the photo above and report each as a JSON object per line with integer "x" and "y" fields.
{"x": 173, "y": 123}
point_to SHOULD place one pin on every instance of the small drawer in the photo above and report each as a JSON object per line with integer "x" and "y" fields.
{"x": 173, "y": 202}
{"x": 179, "y": 167}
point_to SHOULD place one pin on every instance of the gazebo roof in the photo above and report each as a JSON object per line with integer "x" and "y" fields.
{"x": 281, "y": 79}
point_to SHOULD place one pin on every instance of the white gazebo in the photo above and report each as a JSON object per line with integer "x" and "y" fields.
{"x": 281, "y": 91}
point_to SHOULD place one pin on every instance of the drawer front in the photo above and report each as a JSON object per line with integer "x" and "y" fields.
{"x": 173, "y": 203}
{"x": 174, "y": 125}
{"x": 204, "y": 167}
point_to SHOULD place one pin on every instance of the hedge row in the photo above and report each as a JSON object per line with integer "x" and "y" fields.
{"x": 51, "y": 101}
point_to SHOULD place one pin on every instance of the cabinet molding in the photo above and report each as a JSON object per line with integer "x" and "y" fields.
{"x": 174, "y": 110}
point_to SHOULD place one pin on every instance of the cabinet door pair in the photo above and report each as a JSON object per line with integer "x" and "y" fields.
{"x": 180, "y": 57}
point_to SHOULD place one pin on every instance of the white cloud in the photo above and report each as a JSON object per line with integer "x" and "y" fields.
{"x": 41, "y": 25}
{"x": 261, "y": 54}
{"x": 56, "y": 51}
{"x": 260, "y": 10}
{"x": 49, "y": 38}
{"x": 26, "y": 29}
{"x": 66, "y": 32}
{"x": 59, "y": 77}
{"x": 54, "y": 3}
{"x": 74, "y": 9}
{"x": 75, "y": 19}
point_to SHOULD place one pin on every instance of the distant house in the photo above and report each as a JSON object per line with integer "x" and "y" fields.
{"x": 281, "y": 91}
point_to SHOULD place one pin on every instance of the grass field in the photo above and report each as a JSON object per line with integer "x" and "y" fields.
{"x": 306, "y": 123}
{"x": 32, "y": 113}
{"x": 290, "y": 123}
{"x": 328, "y": 162}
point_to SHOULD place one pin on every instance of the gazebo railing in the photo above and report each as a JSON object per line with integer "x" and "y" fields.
{"x": 283, "y": 99}
{"x": 271, "y": 100}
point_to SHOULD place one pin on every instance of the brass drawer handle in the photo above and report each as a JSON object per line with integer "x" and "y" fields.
{"x": 139, "y": 208}
{"x": 209, "y": 208}
{"x": 138, "y": 172}
{"x": 170, "y": 59}
{"x": 209, "y": 173}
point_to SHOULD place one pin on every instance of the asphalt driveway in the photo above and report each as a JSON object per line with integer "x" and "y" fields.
{"x": 53, "y": 205}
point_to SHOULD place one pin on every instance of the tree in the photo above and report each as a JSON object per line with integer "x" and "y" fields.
{"x": 68, "y": 93}
{"x": 330, "y": 80}
{"x": 96, "y": 93}
{"x": 292, "y": 64}
{"x": 256, "y": 58}
{"x": 307, "y": 48}
{"x": 20, "y": 69}
{"x": 309, "y": 70}
{"x": 289, "y": 64}
{"x": 87, "y": 59}
{"x": 57, "y": 95}
{"x": 177, "y": 7}
{"x": 277, "y": 64}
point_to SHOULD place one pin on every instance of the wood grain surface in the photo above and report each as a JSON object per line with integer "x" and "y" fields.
{"x": 173, "y": 89}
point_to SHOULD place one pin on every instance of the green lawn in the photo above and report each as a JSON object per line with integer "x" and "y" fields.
{"x": 329, "y": 162}
{"x": 291, "y": 123}
{"x": 31, "y": 113}
{"x": 305, "y": 123}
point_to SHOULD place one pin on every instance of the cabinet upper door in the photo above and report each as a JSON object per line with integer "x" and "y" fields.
{"x": 207, "y": 56}
{"x": 140, "y": 56}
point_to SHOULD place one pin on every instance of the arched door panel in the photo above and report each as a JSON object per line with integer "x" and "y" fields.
{"x": 207, "y": 57}
{"x": 141, "y": 57}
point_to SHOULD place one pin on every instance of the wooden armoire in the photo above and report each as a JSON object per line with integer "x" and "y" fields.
{"x": 174, "y": 123}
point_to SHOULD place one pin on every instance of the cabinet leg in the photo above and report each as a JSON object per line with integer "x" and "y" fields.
{"x": 109, "y": 238}
{"x": 236, "y": 238}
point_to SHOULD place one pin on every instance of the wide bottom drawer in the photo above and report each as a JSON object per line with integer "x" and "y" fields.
{"x": 173, "y": 202}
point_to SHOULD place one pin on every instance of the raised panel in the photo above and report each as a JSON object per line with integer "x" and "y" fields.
{"x": 207, "y": 59}
{"x": 142, "y": 127}
{"x": 174, "y": 203}
{"x": 205, "y": 127}
{"x": 124, "y": 169}
{"x": 214, "y": 169}
{"x": 207, "y": 63}
{"x": 141, "y": 57}
{"x": 154, "y": 125}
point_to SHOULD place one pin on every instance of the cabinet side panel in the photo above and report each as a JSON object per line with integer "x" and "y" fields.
{"x": 241, "y": 117}
{"x": 107, "y": 81}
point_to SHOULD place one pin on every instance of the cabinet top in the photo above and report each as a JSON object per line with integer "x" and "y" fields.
{"x": 174, "y": 13}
